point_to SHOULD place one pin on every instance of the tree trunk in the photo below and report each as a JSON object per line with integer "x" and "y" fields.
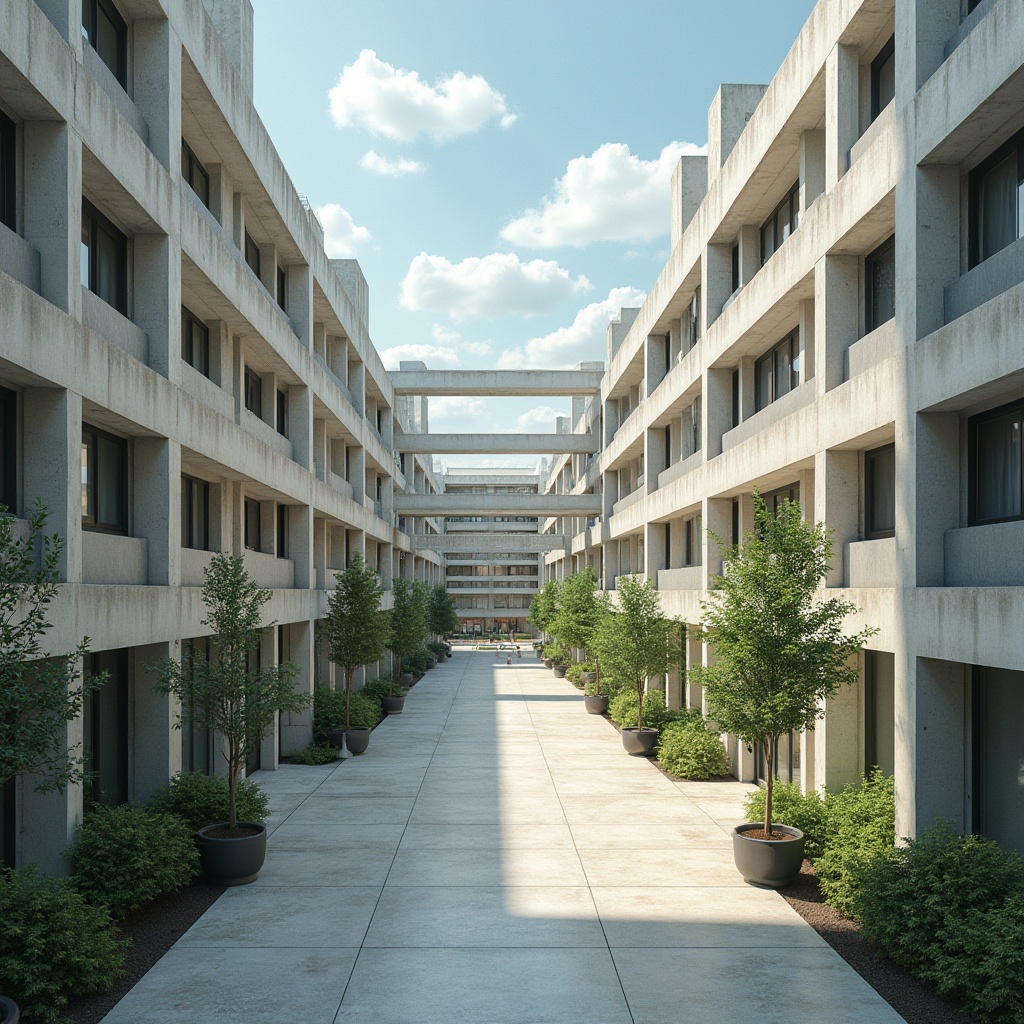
{"x": 640, "y": 707}
{"x": 232, "y": 789}
{"x": 597, "y": 671}
{"x": 348, "y": 695}
{"x": 769, "y": 764}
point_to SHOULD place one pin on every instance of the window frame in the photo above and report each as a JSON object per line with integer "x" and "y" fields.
{"x": 870, "y": 300}
{"x": 9, "y": 449}
{"x": 792, "y": 198}
{"x": 871, "y": 532}
{"x": 90, "y": 28}
{"x": 887, "y": 51}
{"x": 1013, "y": 144}
{"x": 281, "y": 529}
{"x": 281, "y": 279}
{"x": 8, "y": 172}
{"x": 190, "y": 323}
{"x": 97, "y": 222}
{"x": 248, "y": 541}
{"x": 768, "y": 358}
{"x": 251, "y": 253}
{"x": 191, "y": 487}
{"x": 972, "y": 463}
{"x": 191, "y": 165}
{"x": 281, "y": 412}
{"x": 253, "y": 386}
{"x": 90, "y": 521}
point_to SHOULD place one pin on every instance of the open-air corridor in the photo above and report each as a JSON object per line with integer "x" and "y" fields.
{"x": 496, "y": 858}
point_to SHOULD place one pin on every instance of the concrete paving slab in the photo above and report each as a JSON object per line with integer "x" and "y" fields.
{"x": 555, "y": 866}
{"x": 490, "y": 837}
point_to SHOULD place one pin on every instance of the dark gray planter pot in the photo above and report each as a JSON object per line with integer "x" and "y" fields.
{"x": 639, "y": 742}
{"x": 431, "y": 663}
{"x": 405, "y": 678}
{"x": 9, "y": 1012}
{"x": 588, "y": 677}
{"x": 548, "y": 662}
{"x": 393, "y": 705}
{"x": 597, "y": 704}
{"x": 357, "y": 740}
{"x": 232, "y": 861}
{"x": 769, "y": 862}
{"x": 559, "y": 671}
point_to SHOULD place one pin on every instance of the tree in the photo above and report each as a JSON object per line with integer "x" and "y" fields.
{"x": 408, "y": 620}
{"x": 355, "y": 628}
{"x": 544, "y": 606}
{"x": 223, "y": 693}
{"x": 442, "y": 618}
{"x": 38, "y": 693}
{"x": 638, "y": 640}
{"x": 581, "y": 607}
{"x": 780, "y": 651}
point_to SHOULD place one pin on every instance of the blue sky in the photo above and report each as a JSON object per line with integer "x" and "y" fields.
{"x": 500, "y": 170}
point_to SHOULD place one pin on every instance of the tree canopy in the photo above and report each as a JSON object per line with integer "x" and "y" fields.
{"x": 543, "y": 606}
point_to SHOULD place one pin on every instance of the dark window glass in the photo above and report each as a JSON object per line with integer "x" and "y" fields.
{"x": 8, "y": 450}
{"x": 253, "y": 392}
{"x": 105, "y": 728}
{"x": 880, "y": 276}
{"x": 8, "y": 174}
{"x": 104, "y": 481}
{"x": 195, "y": 174}
{"x": 197, "y": 753}
{"x": 693, "y": 535}
{"x": 695, "y": 425}
{"x": 880, "y": 492}
{"x": 971, "y": 4}
{"x": 668, "y": 446}
{"x": 281, "y": 287}
{"x": 777, "y": 372}
{"x": 994, "y": 465}
{"x": 735, "y": 267}
{"x": 282, "y": 413}
{"x": 252, "y": 254}
{"x": 785, "y": 219}
{"x": 106, "y": 31}
{"x": 252, "y": 524}
{"x": 195, "y": 342}
{"x": 883, "y": 78}
{"x": 104, "y": 258}
{"x": 282, "y": 531}
{"x": 736, "y": 398}
{"x": 695, "y": 317}
{"x": 996, "y": 210}
{"x": 195, "y": 513}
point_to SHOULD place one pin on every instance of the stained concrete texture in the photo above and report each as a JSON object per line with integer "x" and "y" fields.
{"x": 495, "y": 857}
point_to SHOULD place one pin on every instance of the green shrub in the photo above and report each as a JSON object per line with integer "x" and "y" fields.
{"x": 53, "y": 944}
{"x": 365, "y": 712}
{"x": 381, "y": 688}
{"x": 574, "y": 673}
{"x": 316, "y": 753}
{"x": 622, "y": 709}
{"x": 201, "y": 800}
{"x": 791, "y": 807}
{"x": 436, "y": 648}
{"x": 127, "y": 856}
{"x": 557, "y": 653}
{"x": 689, "y": 750}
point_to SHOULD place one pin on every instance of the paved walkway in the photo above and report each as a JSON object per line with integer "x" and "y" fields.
{"x": 496, "y": 858}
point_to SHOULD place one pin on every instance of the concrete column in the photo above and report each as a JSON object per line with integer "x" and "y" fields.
{"x": 806, "y": 340}
{"x": 237, "y": 355}
{"x": 923, "y": 27}
{"x": 355, "y": 543}
{"x": 157, "y": 300}
{"x": 716, "y": 409}
{"x": 300, "y": 425}
{"x": 66, "y": 18}
{"x": 750, "y": 252}
{"x": 268, "y": 268}
{"x": 53, "y": 207}
{"x": 320, "y": 553}
{"x": 220, "y": 354}
{"x": 357, "y": 385}
{"x": 812, "y": 167}
{"x": 931, "y": 257}
{"x": 689, "y": 186}
{"x": 748, "y": 392}
{"x": 156, "y": 743}
{"x": 270, "y": 745}
{"x": 842, "y": 110}
{"x": 717, "y": 518}
{"x": 236, "y": 513}
{"x": 838, "y": 739}
{"x": 221, "y": 197}
{"x": 654, "y": 551}
{"x": 53, "y": 469}
{"x": 716, "y": 282}
{"x": 357, "y": 473}
{"x": 299, "y": 301}
{"x": 655, "y": 457}
{"x": 321, "y": 445}
{"x": 300, "y": 545}
{"x": 156, "y": 81}
{"x": 268, "y": 527}
{"x": 836, "y": 317}
{"x": 238, "y": 220}
{"x": 936, "y": 475}
{"x": 837, "y": 503}
{"x": 805, "y": 495}
{"x": 156, "y": 506}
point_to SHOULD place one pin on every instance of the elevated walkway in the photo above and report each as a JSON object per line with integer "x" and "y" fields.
{"x": 460, "y": 504}
{"x": 496, "y": 382}
{"x": 497, "y": 444}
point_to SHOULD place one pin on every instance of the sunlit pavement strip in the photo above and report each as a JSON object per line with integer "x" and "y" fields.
{"x": 496, "y": 858}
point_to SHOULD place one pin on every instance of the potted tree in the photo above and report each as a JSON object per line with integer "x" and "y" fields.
{"x": 580, "y": 610}
{"x": 224, "y": 694}
{"x": 543, "y": 606}
{"x": 780, "y": 650}
{"x": 355, "y": 631}
{"x": 408, "y": 625}
{"x": 637, "y": 641}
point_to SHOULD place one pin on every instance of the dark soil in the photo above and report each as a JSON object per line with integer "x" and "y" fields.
{"x": 153, "y": 929}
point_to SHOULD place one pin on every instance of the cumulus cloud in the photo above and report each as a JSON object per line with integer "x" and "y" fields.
{"x": 425, "y": 353}
{"x": 484, "y": 287}
{"x": 444, "y": 335}
{"x": 610, "y": 196}
{"x": 478, "y": 348}
{"x": 375, "y": 163}
{"x": 584, "y": 338}
{"x": 395, "y": 103}
{"x": 455, "y": 407}
{"x": 538, "y": 420}
{"x": 342, "y": 236}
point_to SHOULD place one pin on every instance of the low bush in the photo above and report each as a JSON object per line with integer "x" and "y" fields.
{"x": 950, "y": 908}
{"x": 365, "y": 712}
{"x": 437, "y": 648}
{"x": 557, "y": 653}
{"x": 381, "y": 688}
{"x": 316, "y": 754}
{"x": 574, "y": 673}
{"x": 622, "y": 709}
{"x": 53, "y": 944}
{"x": 687, "y": 749}
{"x": 126, "y": 856}
{"x": 792, "y": 807}
{"x": 201, "y": 800}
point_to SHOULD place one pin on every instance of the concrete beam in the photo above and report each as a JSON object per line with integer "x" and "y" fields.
{"x": 496, "y": 382}
{"x": 453, "y": 544}
{"x": 497, "y": 444}
{"x": 498, "y": 504}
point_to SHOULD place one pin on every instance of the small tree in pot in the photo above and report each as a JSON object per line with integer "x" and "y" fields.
{"x": 442, "y": 618}
{"x": 408, "y": 621}
{"x": 580, "y": 610}
{"x": 638, "y": 641}
{"x": 543, "y": 607}
{"x": 224, "y": 694}
{"x": 780, "y": 651}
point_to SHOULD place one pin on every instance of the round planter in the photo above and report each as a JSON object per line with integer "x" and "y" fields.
{"x": 406, "y": 678}
{"x": 9, "y": 1012}
{"x": 597, "y": 704}
{"x": 639, "y": 742}
{"x": 232, "y": 860}
{"x": 431, "y": 663}
{"x": 559, "y": 671}
{"x": 769, "y": 862}
{"x": 588, "y": 677}
{"x": 393, "y": 705}
{"x": 548, "y": 662}
{"x": 357, "y": 740}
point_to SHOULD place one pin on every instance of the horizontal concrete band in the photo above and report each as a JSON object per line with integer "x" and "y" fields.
{"x": 454, "y": 543}
{"x": 450, "y": 504}
{"x": 496, "y": 382}
{"x": 497, "y": 444}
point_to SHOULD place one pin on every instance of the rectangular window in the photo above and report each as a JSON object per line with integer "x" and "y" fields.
{"x": 281, "y": 288}
{"x": 694, "y": 532}
{"x": 668, "y": 446}
{"x": 785, "y": 219}
{"x": 8, "y": 450}
{"x": 197, "y": 754}
{"x": 736, "y": 397}
{"x": 695, "y": 317}
{"x": 195, "y": 513}
{"x": 282, "y": 531}
{"x": 695, "y": 425}
{"x": 994, "y": 465}
{"x": 104, "y": 481}
{"x": 252, "y": 524}
{"x": 880, "y": 282}
{"x": 777, "y": 372}
{"x": 252, "y": 254}
{"x": 880, "y": 492}
{"x": 8, "y": 173}
{"x": 253, "y": 392}
{"x": 195, "y": 342}
{"x": 736, "y": 267}
{"x": 996, "y": 210}
{"x": 105, "y": 728}
{"x": 883, "y": 78}
{"x": 282, "y": 414}
{"x": 107, "y": 33}
{"x": 104, "y": 258}
{"x": 195, "y": 174}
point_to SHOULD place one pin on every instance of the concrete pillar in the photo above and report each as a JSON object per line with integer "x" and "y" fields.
{"x": 321, "y": 447}
{"x": 300, "y": 425}
{"x": 837, "y": 504}
{"x": 221, "y": 197}
{"x": 321, "y": 553}
{"x": 357, "y": 385}
{"x": 655, "y": 456}
{"x": 299, "y": 301}
{"x": 716, "y": 409}
{"x": 806, "y": 340}
{"x": 654, "y": 551}
{"x": 156, "y": 506}
{"x": 717, "y": 519}
{"x": 300, "y": 545}
{"x": 66, "y": 18}
{"x": 220, "y": 354}
{"x": 750, "y": 252}
{"x": 838, "y": 739}
{"x": 836, "y": 317}
{"x": 270, "y": 745}
{"x": 268, "y": 268}
{"x": 689, "y": 186}
{"x": 812, "y": 167}
{"x": 842, "y": 110}
{"x": 236, "y": 514}
{"x": 357, "y": 472}
{"x": 936, "y": 476}
{"x": 923, "y": 27}
{"x": 716, "y": 282}
{"x": 156, "y": 742}
{"x": 932, "y": 228}
{"x": 156, "y": 87}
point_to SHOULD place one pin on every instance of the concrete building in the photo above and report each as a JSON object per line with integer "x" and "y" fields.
{"x": 840, "y": 321}
{"x": 182, "y": 370}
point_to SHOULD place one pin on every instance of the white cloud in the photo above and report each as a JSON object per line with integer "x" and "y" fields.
{"x": 478, "y": 348}
{"x": 394, "y": 102}
{"x": 454, "y": 407}
{"x": 538, "y": 420}
{"x": 610, "y": 196}
{"x": 487, "y": 286}
{"x": 584, "y": 338}
{"x": 342, "y": 236}
{"x": 425, "y": 353}
{"x": 444, "y": 334}
{"x": 375, "y": 163}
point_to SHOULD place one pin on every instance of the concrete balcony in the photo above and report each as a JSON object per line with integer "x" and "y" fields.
{"x": 871, "y": 563}
{"x": 269, "y": 571}
{"x": 998, "y": 274}
{"x": 689, "y": 577}
{"x": 19, "y": 259}
{"x": 872, "y": 349}
{"x": 111, "y": 558}
{"x": 193, "y": 564}
{"x": 680, "y": 469}
{"x": 202, "y": 389}
{"x": 985, "y": 556}
{"x": 252, "y": 423}
{"x": 101, "y": 317}
{"x": 796, "y": 400}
